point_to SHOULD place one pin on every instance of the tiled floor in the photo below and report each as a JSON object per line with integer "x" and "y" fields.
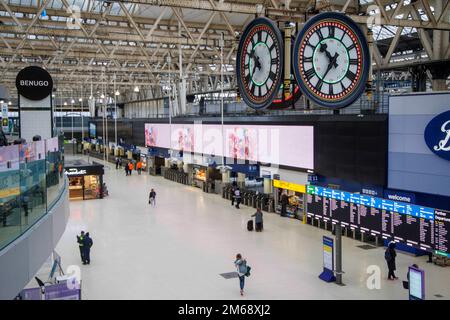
{"x": 179, "y": 249}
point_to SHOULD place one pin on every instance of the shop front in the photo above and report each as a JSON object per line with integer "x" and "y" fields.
{"x": 85, "y": 180}
{"x": 289, "y": 198}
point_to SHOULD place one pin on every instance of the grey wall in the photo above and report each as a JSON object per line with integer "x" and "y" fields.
{"x": 22, "y": 259}
{"x": 411, "y": 164}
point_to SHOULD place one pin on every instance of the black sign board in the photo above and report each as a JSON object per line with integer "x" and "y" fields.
{"x": 34, "y": 83}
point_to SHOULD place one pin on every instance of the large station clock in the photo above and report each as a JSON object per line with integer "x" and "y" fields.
{"x": 259, "y": 63}
{"x": 331, "y": 60}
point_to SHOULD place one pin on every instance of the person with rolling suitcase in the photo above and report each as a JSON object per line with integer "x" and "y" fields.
{"x": 258, "y": 220}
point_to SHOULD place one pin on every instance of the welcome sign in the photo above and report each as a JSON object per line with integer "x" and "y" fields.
{"x": 437, "y": 135}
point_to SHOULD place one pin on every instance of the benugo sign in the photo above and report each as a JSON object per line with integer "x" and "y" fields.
{"x": 34, "y": 83}
{"x": 289, "y": 186}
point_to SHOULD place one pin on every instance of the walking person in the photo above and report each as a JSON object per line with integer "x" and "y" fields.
{"x": 233, "y": 189}
{"x": 237, "y": 196}
{"x": 126, "y": 169}
{"x": 117, "y": 162}
{"x": 152, "y": 198}
{"x": 139, "y": 166}
{"x": 130, "y": 168}
{"x": 284, "y": 203}
{"x": 258, "y": 220}
{"x": 242, "y": 270}
{"x": 80, "y": 240}
{"x": 87, "y": 244}
{"x": 389, "y": 256}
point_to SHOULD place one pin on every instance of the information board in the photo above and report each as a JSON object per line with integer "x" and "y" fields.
{"x": 441, "y": 232}
{"x": 404, "y": 222}
{"x": 416, "y": 284}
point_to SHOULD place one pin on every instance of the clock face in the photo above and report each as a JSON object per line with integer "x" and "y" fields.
{"x": 259, "y": 63}
{"x": 331, "y": 60}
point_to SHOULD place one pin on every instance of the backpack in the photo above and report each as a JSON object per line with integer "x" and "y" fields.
{"x": 387, "y": 255}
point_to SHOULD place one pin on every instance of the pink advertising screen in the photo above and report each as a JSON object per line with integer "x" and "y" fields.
{"x": 283, "y": 145}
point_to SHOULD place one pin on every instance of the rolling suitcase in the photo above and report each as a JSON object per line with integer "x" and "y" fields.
{"x": 250, "y": 225}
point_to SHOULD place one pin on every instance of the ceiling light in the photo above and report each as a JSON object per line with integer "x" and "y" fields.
{"x": 1, "y": 101}
{"x": 102, "y": 96}
{"x": 10, "y": 103}
{"x": 117, "y": 93}
{"x": 81, "y": 99}
{"x": 65, "y": 103}
{"x": 72, "y": 101}
{"x": 53, "y": 95}
{"x": 136, "y": 89}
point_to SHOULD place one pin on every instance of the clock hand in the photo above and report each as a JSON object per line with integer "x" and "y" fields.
{"x": 323, "y": 48}
{"x": 330, "y": 65}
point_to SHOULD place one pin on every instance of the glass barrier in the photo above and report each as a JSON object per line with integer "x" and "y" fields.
{"x": 31, "y": 180}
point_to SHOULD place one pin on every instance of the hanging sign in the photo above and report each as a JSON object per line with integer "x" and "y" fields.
{"x": 34, "y": 83}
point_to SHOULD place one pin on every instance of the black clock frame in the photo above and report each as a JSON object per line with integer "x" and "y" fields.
{"x": 240, "y": 52}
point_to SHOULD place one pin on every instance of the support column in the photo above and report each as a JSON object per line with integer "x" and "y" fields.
{"x": 418, "y": 78}
{"x": 439, "y": 72}
{"x": 338, "y": 230}
{"x": 241, "y": 180}
{"x": 267, "y": 185}
{"x": 226, "y": 177}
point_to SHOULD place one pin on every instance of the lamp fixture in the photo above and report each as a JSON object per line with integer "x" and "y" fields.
{"x": 117, "y": 93}
{"x": 81, "y": 99}
{"x": 65, "y": 103}
{"x": 9, "y": 103}
{"x": 102, "y": 96}
{"x": 72, "y": 101}
{"x": 136, "y": 89}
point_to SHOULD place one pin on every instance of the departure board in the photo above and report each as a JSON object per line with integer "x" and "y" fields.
{"x": 408, "y": 223}
{"x": 340, "y": 211}
{"x": 441, "y": 231}
{"x": 318, "y": 206}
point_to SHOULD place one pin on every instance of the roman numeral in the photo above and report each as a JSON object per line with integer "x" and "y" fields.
{"x": 331, "y": 31}
{"x": 351, "y": 75}
{"x": 342, "y": 87}
{"x": 351, "y": 47}
{"x": 308, "y": 59}
{"x": 319, "y": 33}
{"x": 255, "y": 89}
{"x": 319, "y": 85}
{"x": 272, "y": 76}
{"x": 271, "y": 47}
{"x": 259, "y": 36}
{"x": 247, "y": 78}
{"x": 274, "y": 61}
{"x": 267, "y": 88}
{"x": 353, "y": 61}
{"x": 310, "y": 45}
{"x": 260, "y": 91}
{"x": 310, "y": 73}
{"x": 330, "y": 89}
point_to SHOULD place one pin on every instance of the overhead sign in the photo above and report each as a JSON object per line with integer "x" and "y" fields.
{"x": 75, "y": 172}
{"x": 34, "y": 83}
{"x": 400, "y": 196}
{"x": 437, "y": 135}
{"x": 289, "y": 186}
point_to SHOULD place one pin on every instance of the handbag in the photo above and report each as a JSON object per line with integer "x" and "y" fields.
{"x": 247, "y": 274}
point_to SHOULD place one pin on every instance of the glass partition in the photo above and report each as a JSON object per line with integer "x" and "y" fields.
{"x": 31, "y": 181}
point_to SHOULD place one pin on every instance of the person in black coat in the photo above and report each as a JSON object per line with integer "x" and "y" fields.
{"x": 87, "y": 244}
{"x": 390, "y": 256}
{"x": 284, "y": 203}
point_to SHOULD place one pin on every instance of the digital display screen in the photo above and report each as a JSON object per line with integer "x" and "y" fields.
{"x": 92, "y": 130}
{"x": 404, "y": 222}
{"x": 416, "y": 284}
{"x": 441, "y": 230}
{"x": 291, "y": 146}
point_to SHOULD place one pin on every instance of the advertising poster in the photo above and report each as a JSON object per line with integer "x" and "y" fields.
{"x": 9, "y": 158}
{"x": 9, "y": 177}
{"x": 52, "y": 145}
